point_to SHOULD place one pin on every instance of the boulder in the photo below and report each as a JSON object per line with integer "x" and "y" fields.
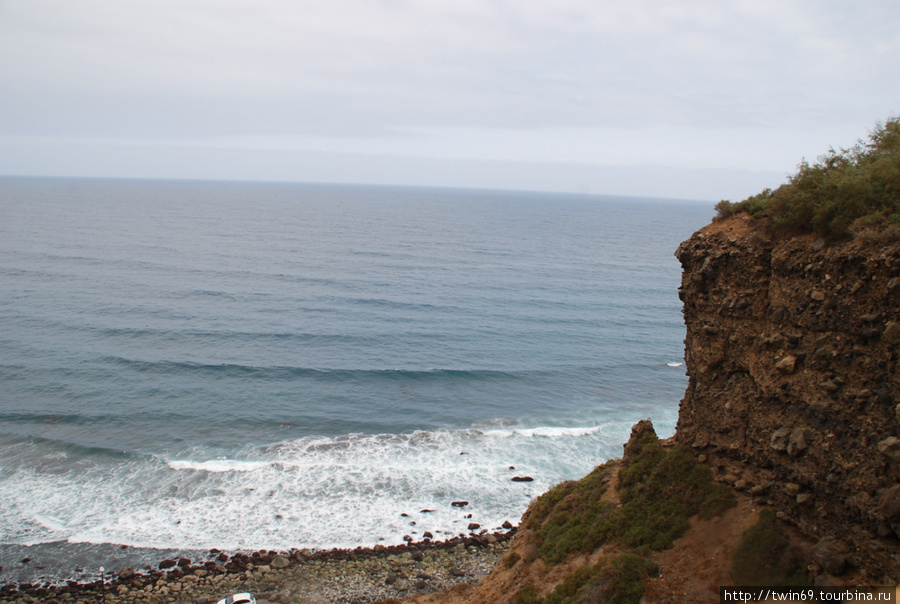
{"x": 799, "y": 441}
{"x": 780, "y": 439}
{"x": 787, "y": 364}
{"x": 830, "y": 555}
{"x": 890, "y": 449}
{"x": 889, "y": 503}
{"x": 891, "y": 333}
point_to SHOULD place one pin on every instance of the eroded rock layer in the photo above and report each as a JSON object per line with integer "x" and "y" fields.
{"x": 793, "y": 354}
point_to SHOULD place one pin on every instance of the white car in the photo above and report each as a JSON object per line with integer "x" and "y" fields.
{"x": 241, "y": 598}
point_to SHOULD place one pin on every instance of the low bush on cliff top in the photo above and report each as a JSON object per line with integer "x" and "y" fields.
{"x": 660, "y": 491}
{"x": 848, "y": 188}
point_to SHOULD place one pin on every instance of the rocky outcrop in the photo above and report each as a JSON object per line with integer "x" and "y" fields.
{"x": 793, "y": 355}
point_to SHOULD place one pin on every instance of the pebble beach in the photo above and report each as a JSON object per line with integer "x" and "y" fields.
{"x": 358, "y": 576}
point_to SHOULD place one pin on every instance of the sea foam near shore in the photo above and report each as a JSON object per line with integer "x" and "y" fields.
{"x": 198, "y": 365}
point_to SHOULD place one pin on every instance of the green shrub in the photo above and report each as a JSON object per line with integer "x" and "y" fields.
{"x": 766, "y": 557}
{"x": 724, "y": 209}
{"x": 617, "y": 579}
{"x": 657, "y": 508}
{"x": 526, "y": 595}
{"x": 660, "y": 491}
{"x": 860, "y": 185}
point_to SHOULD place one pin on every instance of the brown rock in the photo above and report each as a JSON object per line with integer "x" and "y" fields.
{"x": 830, "y": 555}
{"x": 787, "y": 364}
{"x": 891, "y": 333}
{"x": 890, "y": 449}
{"x": 799, "y": 441}
{"x": 780, "y": 439}
{"x": 836, "y": 376}
{"x": 641, "y": 430}
{"x": 889, "y": 504}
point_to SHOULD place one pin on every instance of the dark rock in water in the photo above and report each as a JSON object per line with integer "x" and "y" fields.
{"x": 512, "y": 467}
{"x": 507, "y": 524}
{"x": 405, "y": 515}
{"x": 426, "y": 511}
{"x": 407, "y": 538}
{"x": 26, "y": 560}
{"x": 426, "y": 535}
{"x": 184, "y": 562}
{"x": 460, "y": 504}
{"x": 522, "y": 479}
{"x": 167, "y": 564}
{"x": 223, "y": 557}
{"x": 474, "y": 526}
{"x": 464, "y": 453}
{"x": 468, "y": 515}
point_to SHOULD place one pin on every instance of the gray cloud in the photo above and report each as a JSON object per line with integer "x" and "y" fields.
{"x": 689, "y": 85}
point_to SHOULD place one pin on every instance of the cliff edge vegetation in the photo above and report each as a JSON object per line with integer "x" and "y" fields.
{"x": 845, "y": 191}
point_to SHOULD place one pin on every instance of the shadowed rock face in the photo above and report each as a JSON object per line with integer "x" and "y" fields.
{"x": 793, "y": 354}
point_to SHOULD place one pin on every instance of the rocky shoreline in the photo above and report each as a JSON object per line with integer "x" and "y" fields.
{"x": 359, "y": 576}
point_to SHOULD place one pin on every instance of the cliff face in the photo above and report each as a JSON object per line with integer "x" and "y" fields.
{"x": 793, "y": 354}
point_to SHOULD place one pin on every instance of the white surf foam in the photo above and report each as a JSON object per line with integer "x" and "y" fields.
{"x": 311, "y": 492}
{"x": 218, "y": 465}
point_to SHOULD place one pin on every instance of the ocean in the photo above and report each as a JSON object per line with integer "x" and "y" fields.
{"x": 195, "y": 365}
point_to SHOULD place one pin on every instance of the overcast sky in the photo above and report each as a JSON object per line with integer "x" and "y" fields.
{"x": 702, "y": 99}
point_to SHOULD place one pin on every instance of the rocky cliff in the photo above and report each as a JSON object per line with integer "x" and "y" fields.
{"x": 793, "y": 354}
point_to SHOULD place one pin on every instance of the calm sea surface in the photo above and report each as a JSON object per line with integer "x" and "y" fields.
{"x": 187, "y": 365}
